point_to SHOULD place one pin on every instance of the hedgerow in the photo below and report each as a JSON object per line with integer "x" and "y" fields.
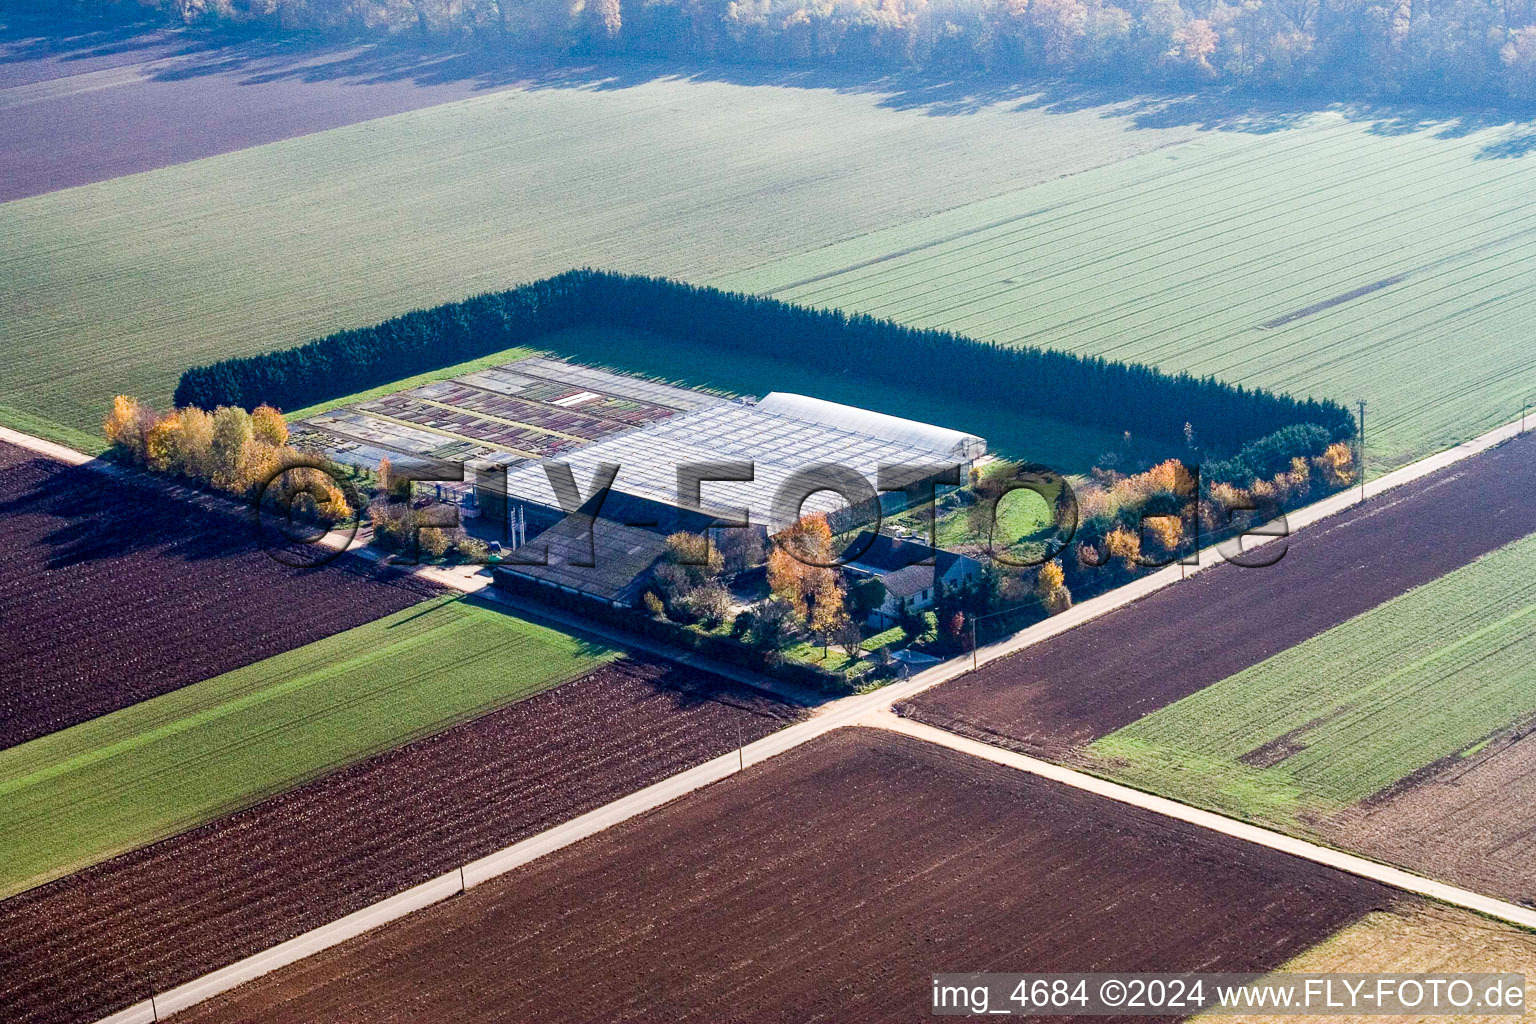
{"x": 1084, "y": 390}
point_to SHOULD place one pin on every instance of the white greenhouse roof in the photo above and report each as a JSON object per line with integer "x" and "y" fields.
{"x": 908, "y": 433}
{"x": 779, "y": 446}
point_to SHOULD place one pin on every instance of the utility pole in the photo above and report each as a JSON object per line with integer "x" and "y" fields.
{"x": 741, "y": 754}
{"x": 975, "y": 643}
{"x": 463, "y": 886}
{"x": 1362, "y": 450}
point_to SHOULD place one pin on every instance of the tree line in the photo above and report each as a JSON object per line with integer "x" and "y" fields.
{"x": 1471, "y": 50}
{"x": 1084, "y": 390}
{"x": 231, "y": 449}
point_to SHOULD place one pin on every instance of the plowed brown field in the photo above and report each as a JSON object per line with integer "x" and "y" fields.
{"x": 90, "y": 944}
{"x": 169, "y": 97}
{"x": 112, "y": 593}
{"x": 825, "y": 884}
{"x": 1107, "y": 673}
{"x": 1467, "y": 820}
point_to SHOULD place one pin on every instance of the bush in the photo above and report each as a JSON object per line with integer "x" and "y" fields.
{"x": 1058, "y": 600}
{"x": 472, "y": 550}
{"x": 1049, "y": 578}
{"x": 771, "y": 626}
{"x": 435, "y": 542}
{"x": 1268, "y": 456}
{"x": 710, "y": 603}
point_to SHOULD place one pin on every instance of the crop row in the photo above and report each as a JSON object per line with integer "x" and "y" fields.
{"x": 117, "y": 782}
{"x": 88, "y": 945}
{"x": 118, "y": 286}
{"x": 113, "y": 593}
{"x": 1347, "y": 714}
{"x": 1178, "y": 259}
{"x": 825, "y": 884}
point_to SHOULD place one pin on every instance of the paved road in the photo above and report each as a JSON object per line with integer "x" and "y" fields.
{"x": 873, "y": 709}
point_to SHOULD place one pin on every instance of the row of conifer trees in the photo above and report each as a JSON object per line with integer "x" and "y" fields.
{"x": 1085, "y": 390}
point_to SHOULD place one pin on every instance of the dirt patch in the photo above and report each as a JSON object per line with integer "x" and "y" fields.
{"x": 112, "y": 593}
{"x": 825, "y": 884}
{"x": 1280, "y": 748}
{"x": 1337, "y": 300}
{"x": 88, "y": 945}
{"x": 1468, "y": 822}
{"x": 1107, "y": 673}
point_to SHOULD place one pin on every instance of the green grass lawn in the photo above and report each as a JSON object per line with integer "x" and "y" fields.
{"x": 120, "y": 285}
{"x": 1429, "y": 675}
{"x": 1020, "y": 516}
{"x": 834, "y": 660}
{"x": 1334, "y": 259}
{"x": 892, "y": 637}
{"x": 154, "y": 769}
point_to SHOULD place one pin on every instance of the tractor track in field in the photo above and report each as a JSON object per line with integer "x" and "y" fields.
{"x": 104, "y": 938}
{"x": 1058, "y": 696}
{"x": 83, "y": 554}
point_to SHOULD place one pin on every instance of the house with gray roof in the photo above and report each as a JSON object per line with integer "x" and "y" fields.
{"x": 910, "y": 572}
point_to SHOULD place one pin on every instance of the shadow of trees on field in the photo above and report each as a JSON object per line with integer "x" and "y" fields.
{"x": 55, "y": 517}
{"x": 91, "y": 517}
{"x": 256, "y": 60}
{"x": 63, "y": 46}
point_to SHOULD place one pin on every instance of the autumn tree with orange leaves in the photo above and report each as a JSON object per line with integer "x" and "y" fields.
{"x": 799, "y": 573}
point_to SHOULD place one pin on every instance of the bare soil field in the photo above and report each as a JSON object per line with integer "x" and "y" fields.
{"x": 171, "y": 97}
{"x": 112, "y": 593}
{"x": 1057, "y": 696}
{"x": 1466, "y": 819}
{"x": 825, "y": 884}
{"x": 1416, "y": 938}
{"x": 84, "y": 946}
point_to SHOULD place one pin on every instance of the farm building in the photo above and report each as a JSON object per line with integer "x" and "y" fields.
{"x": 910, "y": 572}
{"x": 952, "y": 445}
{"x": 523, "y": 414}
{"x": 595, "y": 558}
{"x": 526, "y": 418}
{"x": 525, "y": 411}
{"x": 781, "y": 438}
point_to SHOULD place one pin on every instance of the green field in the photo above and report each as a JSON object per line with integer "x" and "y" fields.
{"x": 119, "y": 286}
{"x": 1333, "y": 259}
{"x": 121, "y": 781}
{"x": 1429, "y": 675}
